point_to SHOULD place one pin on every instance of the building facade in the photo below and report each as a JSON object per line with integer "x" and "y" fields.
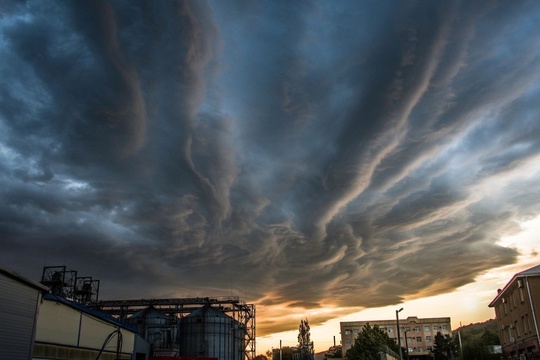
{"x": 418, "y": 334}
{"x": 517, "y": 307}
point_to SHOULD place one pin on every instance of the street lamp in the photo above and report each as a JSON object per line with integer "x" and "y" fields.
{"x": 398, "y": 335}
{"x": 406, "y": 341}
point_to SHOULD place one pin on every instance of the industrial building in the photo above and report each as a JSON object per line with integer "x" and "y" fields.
{"x": 62, "y": 318}
{"x": 517, "y": 309}
{"x": 20, "y": 301}
{"x": 418, "y": 334}
{"x": 69, "y": 330}
{"x": 221, "y": 327}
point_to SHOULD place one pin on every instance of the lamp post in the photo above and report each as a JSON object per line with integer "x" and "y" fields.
{"x": 398, "y": 335}
{"x": 406, "y": 341}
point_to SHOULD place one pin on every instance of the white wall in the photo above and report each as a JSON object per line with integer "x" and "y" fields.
{"x": 60, "y": 324}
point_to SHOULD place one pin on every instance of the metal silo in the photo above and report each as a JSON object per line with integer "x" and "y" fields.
{"x": 156, "y": 327}
{"x": 208, "y": 332}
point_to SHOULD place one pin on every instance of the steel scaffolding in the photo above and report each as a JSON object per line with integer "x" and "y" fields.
{"x": 179, "y": 307}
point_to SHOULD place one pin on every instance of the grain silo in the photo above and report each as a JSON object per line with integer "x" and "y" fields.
{"x": 208, "y": 332}
{"x": 156, "y": 327}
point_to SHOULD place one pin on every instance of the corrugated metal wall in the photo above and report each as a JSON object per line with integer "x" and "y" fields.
{"x": 18, "y": 306}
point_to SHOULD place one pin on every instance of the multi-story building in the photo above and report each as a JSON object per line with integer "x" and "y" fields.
{"x": 517, "y": 308}
{"x": 418, "y": 334}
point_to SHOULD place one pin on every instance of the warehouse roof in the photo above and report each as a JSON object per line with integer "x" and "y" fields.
{"x": 15, "y": 276}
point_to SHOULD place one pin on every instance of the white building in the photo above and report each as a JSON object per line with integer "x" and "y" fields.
{"x": 69, "y": 330}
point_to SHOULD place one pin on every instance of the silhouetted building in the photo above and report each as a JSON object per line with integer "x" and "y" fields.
{"x": 517, "y": 307}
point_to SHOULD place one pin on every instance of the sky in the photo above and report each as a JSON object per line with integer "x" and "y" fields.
{"x": 320, "y": 159}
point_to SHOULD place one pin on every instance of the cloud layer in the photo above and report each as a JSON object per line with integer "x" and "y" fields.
{"x": 298, "y": 154}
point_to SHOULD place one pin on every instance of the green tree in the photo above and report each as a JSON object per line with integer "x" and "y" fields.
{"x": 444, "y": 347}
{"x": 305, "y": 345}
{"x": 287, "y": 353}
{"x": 478, "y": 347}
{"x": 489, "y": 338}
{"x": 261, "y": 357}
{"x": 370, "y": 342}
{"x": 334, "y": 352}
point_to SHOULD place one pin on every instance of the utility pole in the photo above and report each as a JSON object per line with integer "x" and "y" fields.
{"x": 398, "y": 335}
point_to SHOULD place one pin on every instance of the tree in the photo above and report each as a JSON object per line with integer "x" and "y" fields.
{"x": 479, "y": 347}
{"x": 334, "y": 352}
{"x": 260, "y": 357}
{"x": 305, "y": 345}
{"x": 489, "y": 338}
{"x": 370, "y": 342}
{"x": 287, "y": 353}
{"x": 444, "y": 347}
{"x": 476, "y": 349}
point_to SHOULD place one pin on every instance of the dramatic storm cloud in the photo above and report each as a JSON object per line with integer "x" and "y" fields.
{"x": 299, "y": 154}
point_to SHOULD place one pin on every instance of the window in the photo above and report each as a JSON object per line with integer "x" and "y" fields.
{"x": 407, "y": 329}
{"x": 518, "y": 330}
{"x": 347, "y": 332}
{"x": 428, "y": 338}
{"x": 527, "y": 322}
{"x": 355, "y": 331}
{"x": 409, "y": 340}
{"x": 427, "y": 328}
{"x": 390, "y": 330}
{"x": 418, "y": 339}
{"x": 435, "y": 327}
{"x": 521, "y": 297}
{"x": 417, "y": 328}
{"x": 444, "y": 327}
{"x": 420, "y": 349}
{"x": 505, "y": 307}
{"x": 429, "y": 348}
{"x": 511, "y": 301}
{"x": 347, "y": 342}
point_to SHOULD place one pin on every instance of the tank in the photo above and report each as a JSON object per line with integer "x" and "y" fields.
{"x": 208, "y": 332}
{"x": 155, "y": 326}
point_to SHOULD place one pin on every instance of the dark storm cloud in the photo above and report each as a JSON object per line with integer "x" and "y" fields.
{"x": 296, "y": 153}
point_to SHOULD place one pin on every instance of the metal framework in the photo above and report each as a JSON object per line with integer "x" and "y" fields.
{"x": 86, "y": 290}
{"x": 65, "y": 283}
{"x": 179, "y": 307}
{"x": 60, "y": 280}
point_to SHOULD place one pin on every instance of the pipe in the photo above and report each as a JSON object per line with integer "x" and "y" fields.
{"x": 532, "y": 309}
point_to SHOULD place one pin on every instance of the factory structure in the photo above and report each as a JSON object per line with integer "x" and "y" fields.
{"x": 66, "y": 319}
{"x": 221, "y": 327}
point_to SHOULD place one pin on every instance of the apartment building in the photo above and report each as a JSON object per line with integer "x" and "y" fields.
{"x": 418, "y": 334}
{"x": 517, "y": 307}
